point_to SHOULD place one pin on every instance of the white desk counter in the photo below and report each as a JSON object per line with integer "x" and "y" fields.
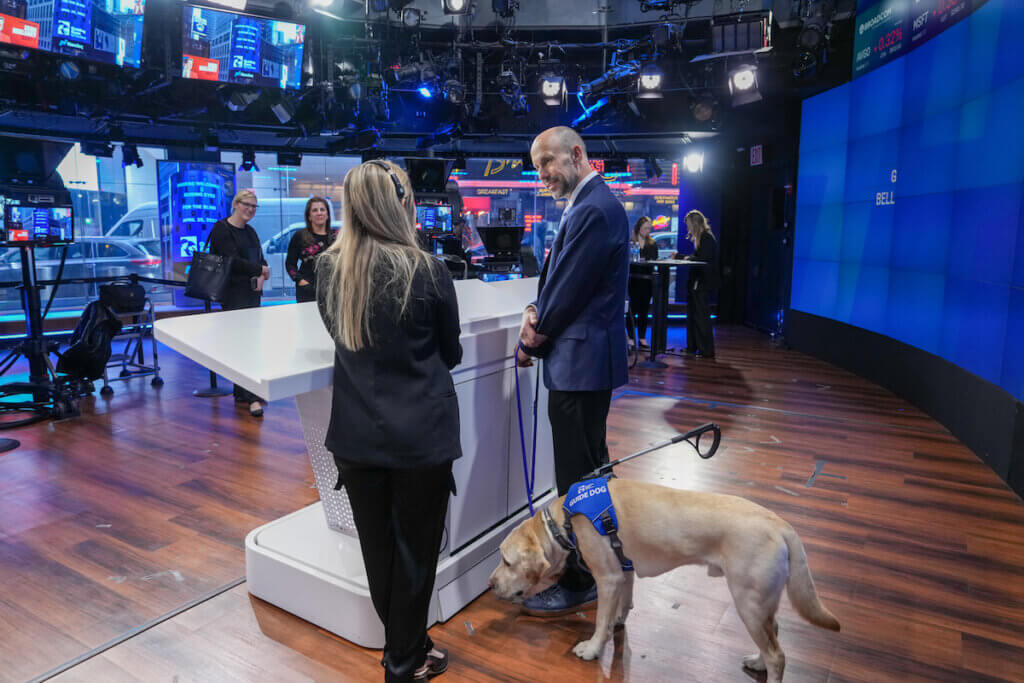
{"x": 314, "y": 569}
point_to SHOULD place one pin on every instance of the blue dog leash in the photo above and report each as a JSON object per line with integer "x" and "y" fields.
{"x": 529, "y": 471}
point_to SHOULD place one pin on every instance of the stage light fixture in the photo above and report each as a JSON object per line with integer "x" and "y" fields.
{"x": 98, "y": 149}
{"x": 615, "y": 78}
{"x": 455, "y": 6}
{"x": 743, "y": 86}
{"x": 703, "y": 108}
{"x": 426, "y": 90}
{"x": 693, "y": 162}
{"x": 512, "y": 92}
{"x": 454, "y": 91}
{"x": 249, "y": 161}
{"x": 505, "y": 8}
{"x": 411, "y": 17}
{"x": 805, "y": 65}
{"x": 649, "y": 83}
{"x": 552, "y": 89}
{"x": 130, "y": 155}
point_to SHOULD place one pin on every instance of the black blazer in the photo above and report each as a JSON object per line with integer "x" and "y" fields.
{"x": 394, "y": 402}
{"x": 706, "y": 277}
{"x": 238, "y": 243}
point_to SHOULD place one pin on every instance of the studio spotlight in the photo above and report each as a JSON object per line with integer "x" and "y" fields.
{"x": 98, "y": 149}
{"x": 411, "y": 17}
{"x": 743, "y": 86}
{"x": 455, "y": 6}
{"x": 505, "y": 8}
{"x": 616, "y": 77}
{"x": 249, "y": 161}
{"x": 427, "y": 90}
{"x": 552, "y": 89}
{"x": 454, "y": 91}
{"x": 512, "y": 92}
{"x": 649, "y": 83}
{"x": 130, "y": 155}
{"x": 805, "y": 65}
{"x": 703, "y": 108}
{"x": 693, "y": 162}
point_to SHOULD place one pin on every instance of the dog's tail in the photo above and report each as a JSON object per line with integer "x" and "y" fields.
{"x": 800, "y": 586}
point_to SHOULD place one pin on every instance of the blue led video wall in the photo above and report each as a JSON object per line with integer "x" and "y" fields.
{"x": 910, "y": 199}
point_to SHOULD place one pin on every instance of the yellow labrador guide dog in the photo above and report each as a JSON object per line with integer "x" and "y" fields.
{"x": 661, "y": 529}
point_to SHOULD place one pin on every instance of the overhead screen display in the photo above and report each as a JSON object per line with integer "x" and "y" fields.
{"x": 100, "y": 30}
{"x": 237, "y": 48}
{"x": 888, "y": 29}
{"x": 910, "y": 199}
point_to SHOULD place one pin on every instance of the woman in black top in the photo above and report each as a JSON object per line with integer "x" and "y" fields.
{"x": 234, "y": 237}
{"x": 306, "y": 245}
{"x": 394, "y": 428}
{"x": 642, "y": 288}
{"x": 701, "y": 282}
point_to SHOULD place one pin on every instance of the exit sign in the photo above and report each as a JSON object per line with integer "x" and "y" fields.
{"x": 757, "y": 155}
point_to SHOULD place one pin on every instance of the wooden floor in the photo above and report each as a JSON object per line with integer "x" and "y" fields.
{"x": 139, "y": 508}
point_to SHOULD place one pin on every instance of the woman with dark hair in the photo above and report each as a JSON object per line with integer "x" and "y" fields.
{"x": 394, "y": 428}
{"x": 306, "y": 245}
{"x": 641, "y": 289}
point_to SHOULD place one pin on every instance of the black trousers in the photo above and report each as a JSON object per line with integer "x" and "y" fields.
{"x": 699, "y": 336}
{"x": 399, "y": 514}
{"x": 304, "y": 293}
{"x": 578, "y": 429}
{"x": 236, "y": 297}
{"x": 640, "y": 293}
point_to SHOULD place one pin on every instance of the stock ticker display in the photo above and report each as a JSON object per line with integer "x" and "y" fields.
{"x": 888, "y": 29}
{"x": 237, "y": 48}
{"x": 910, "y": 199}
{"x": 100, "y": 30}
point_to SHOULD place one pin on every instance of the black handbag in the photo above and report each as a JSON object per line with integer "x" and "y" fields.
{"x": 123, "y": 297}
{"x": 208, "y": 275}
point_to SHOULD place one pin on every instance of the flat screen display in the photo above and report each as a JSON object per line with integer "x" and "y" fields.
{"x": 434, "y": 219}
{"x": 238, "y": 48}
{"x": 37, "y": 225}
{"x": 888, "y": 29}
{"x": 100, "y": 30}
{"x": 910, "y": 198}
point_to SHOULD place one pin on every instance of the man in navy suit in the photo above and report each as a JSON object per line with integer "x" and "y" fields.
{"x": 576, "y": 325}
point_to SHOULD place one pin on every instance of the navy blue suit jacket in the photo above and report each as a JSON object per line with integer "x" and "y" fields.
{"x": 582, "y": 293}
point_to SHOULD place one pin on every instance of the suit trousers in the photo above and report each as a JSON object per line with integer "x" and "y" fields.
{"x": 578, "y": 428}
{"x": 399, "y": 514}
{"x": 699, "y": 336}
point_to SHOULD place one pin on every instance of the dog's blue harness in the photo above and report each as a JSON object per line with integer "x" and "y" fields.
{"x": 591, "y": 499}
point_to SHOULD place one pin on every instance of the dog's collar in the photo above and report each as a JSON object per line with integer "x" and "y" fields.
{"x": 554, "y": 532}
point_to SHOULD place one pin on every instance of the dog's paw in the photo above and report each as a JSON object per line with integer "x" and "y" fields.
{"x": 587, "y": 649}
{"x": 754, "y": 663}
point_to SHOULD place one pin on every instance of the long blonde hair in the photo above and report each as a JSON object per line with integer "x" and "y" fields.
{"x": 379, "y": 238}
{"x": 696, "y": 226}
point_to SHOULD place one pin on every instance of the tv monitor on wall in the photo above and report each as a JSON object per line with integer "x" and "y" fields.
{"x": 910, "y": 199}
{"x": 238, "y": 48}
{"x": 100, "y": 30}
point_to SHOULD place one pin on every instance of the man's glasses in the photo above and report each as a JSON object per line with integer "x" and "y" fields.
{"x": 249, "y": 205}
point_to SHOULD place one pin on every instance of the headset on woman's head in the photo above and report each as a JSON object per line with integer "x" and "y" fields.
{"x": 399, "y": 189}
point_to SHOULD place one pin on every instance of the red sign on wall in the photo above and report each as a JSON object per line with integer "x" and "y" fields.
{"x": 15, "y": 31}
{"x": 756, "y": 155}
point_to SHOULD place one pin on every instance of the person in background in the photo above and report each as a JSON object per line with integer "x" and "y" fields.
{"x": 234, "y": 237}
{"x": 394, "y": 429}
{"x": 308, "y": 243}
{"x": 641, "y": 289}
{"x": 576, "y": 326}
{"x": 700, "y": 338}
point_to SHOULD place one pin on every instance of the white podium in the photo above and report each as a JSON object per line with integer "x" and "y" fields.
{"x": 309, "y": 562}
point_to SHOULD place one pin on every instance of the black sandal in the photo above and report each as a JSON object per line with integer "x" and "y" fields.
{"x": 435, "y": 665}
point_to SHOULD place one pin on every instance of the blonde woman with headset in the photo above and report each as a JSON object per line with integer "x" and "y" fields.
{"x": 394, "y": 428}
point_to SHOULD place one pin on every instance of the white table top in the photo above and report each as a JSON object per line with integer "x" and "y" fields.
{"x": 282, "y": 351}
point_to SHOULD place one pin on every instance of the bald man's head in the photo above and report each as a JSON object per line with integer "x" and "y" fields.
{"x": 560, "y": 157}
